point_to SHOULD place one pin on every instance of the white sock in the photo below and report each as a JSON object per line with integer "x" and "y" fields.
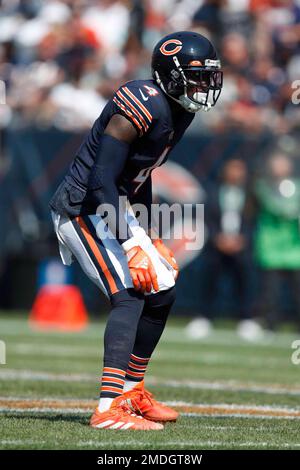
{"x": 129, "y": 385}
{"x": 104, "y": 404}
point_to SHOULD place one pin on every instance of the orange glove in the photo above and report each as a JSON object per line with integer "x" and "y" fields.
{"x": 166, "y": 255}
{"x": 141, "y": 270}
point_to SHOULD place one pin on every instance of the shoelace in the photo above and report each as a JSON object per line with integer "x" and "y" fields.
{"x": 129, "y": 409}
{"x": 142, "y": 394}
{"x": 149, "y": 396}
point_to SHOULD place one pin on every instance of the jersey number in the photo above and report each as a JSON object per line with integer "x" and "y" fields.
{"x": 145, "y": 172}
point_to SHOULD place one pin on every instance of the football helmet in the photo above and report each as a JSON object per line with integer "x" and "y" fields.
{"x": 186, "y": 67}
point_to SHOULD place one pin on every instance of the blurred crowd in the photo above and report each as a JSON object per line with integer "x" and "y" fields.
{"x": 61, "y": 60}
{"x": 253, "y": 246}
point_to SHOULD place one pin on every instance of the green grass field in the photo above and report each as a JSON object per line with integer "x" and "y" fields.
{"x": 231, "y": 394}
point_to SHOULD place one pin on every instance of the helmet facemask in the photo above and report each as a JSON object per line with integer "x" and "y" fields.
{"x": 195, "y": 87}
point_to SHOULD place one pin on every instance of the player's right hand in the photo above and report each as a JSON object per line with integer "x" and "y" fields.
{"x": 141, "y": 270}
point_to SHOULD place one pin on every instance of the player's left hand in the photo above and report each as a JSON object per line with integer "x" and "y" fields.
{"x": 166, "y": 255}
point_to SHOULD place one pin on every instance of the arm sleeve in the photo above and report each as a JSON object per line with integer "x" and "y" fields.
{"x": 110, "y": 160}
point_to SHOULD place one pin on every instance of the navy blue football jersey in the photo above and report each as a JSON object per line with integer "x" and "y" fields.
{"x": 159, "y": 124}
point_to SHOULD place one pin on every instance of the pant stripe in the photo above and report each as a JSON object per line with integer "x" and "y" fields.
{"x": 103, "y": 251}
{"x": 95, "y": 254}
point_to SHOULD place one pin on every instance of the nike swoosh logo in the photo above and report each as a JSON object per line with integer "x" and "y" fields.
{"x": 145, "y": 98}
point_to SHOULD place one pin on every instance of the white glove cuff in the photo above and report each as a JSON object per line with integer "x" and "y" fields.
{"x": 139, "y": 238}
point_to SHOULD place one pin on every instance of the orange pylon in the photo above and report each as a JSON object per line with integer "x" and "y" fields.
{"x": 59, "y": 307}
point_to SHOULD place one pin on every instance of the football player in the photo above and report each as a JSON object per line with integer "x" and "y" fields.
{"x": 133, "y": 135}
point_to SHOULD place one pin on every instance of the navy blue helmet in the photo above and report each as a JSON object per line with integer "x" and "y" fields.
{"x": 186, "y": 67}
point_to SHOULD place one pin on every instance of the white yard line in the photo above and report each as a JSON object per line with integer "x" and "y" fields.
{"x": 20, "y": 442}
{"x": 188, "y": 409}
{"x": 234, "y": 386}
{"x": 234, "y": 407}
{"x": 173, "y": 334}
{"x": 76, "y": 411}
{"x": 239, "y": 416}
{"x": 14, "y": 374}
{"x": 202, "y": 357}
{"x": 186, "y": 444}
{"x": 199, "y": 444}
{"x": 10, "y": 409}
{"x": 231, "y": 386}
{"x": 54, "y": 349}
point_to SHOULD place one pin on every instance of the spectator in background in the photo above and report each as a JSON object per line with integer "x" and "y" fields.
{"x": 79, "y": 51}
{"x": 208, "y": 16}
{"x": 228, "y": 217}
{"x": 277, "y": 239}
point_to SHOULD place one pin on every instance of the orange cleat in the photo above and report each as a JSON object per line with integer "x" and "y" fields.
{"x": 121, "y": 416}
{"x": 143, "y": 403}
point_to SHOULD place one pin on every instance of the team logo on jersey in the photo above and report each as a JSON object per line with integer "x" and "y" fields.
{"x": 151, "y": 91}
{"x": 171, "y": 47}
